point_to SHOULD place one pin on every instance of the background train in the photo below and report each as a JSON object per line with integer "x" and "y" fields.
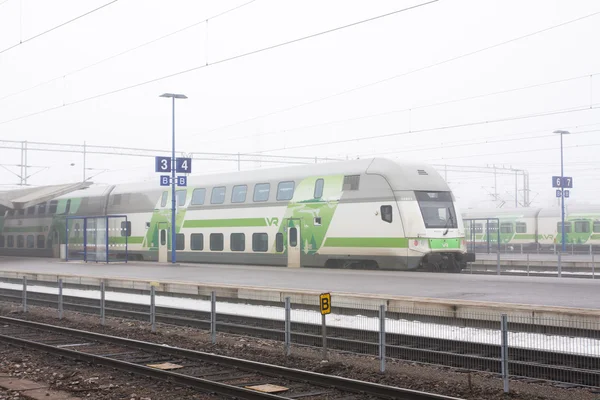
{"x": 370, "y": 213}
{"x": 534, "y": 229}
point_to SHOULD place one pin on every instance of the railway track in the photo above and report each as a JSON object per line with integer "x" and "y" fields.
{"x": 528, "y": 363}
{"x": 225, "y": 376}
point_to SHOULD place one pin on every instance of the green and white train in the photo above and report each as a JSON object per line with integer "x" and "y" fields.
{"x": 370, "y": 213}
{"x": 534, "y": 229}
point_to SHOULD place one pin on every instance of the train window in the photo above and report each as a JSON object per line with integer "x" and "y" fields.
{"x": 181, "y": 197}
{"x": 521, "y": 227}
{"x": 68, "y": 206}
{"x": 197, "y": 241}
{"x": 20, "y": 241}
{"x": 260, "y": 242}
{"x": 506, "y": 227}
{"x": 116, "y": 200}
{"x": 237, "y": 242}
{"x": 21, "y": 212}
{"x": 10, "y": 213}
{"x": 238, "y": 195}
{"x": 10, "y": 241}
{"x": 31, "y": 210}
{"x": 351, "y": 182}
{"x": 319, "y": 188}
{"x": 478, "y": 227}
{"x": 163, "y": 237}
{"x": 567, "y": 227}
{"x": 293, "y": 237}
{"x": 317, "y": 221}
{"x": 164, "y": 198}
{"x": 78, "y": 230}
{"x": 1, "y": 241}
{"x": 30, "y": 241}
{"x": 179, "y": 241}
{"x": 216, "y": 242}
{"x": 386, "y": 213}
{"x": 218, "y": 195}
{"x": 125, "y": 228}
{"x": 53, "y": 207}
{"x": 285, "y": 190}
{"x": 198, "y": 196}
{"x": 261, "y": 191}
{"x": 279, "y": 242}
{"x": 41, "y": 209}
{"x": 582, "y": 227}
{"x": 596, "y": 226}
{"x": 492, "y": 226}
{"x": 41, "y": 242}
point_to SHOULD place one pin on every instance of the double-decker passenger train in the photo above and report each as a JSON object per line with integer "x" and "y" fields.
{"x": 370, "y": 213}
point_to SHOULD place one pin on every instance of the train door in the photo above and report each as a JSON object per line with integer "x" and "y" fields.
{"x": 293, "y": 243}
{"x": 163, "y": 233}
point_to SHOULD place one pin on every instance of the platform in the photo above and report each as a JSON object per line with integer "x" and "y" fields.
{"x": 539, "y": 291}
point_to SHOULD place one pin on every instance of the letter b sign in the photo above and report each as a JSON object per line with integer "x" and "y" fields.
{"x": 325, "y": 302}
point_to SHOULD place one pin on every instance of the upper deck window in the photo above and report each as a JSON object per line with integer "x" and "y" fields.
{"x": 218, "y": 195}
{"x": 285, "y": 190}
{"x": 238, "y": 195}
{"x": 261, "y": 191}
{"x": 351, "y": 182}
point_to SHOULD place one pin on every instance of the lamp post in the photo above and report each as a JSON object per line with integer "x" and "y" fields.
{"x": 173, "y": 201}
{"x": 562, "y": 196}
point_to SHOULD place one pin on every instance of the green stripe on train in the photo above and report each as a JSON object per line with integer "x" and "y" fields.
{"x": 24, "y": 229}
{"x": 225, "y": 223}
{"x": 366, "y": 242}
{"x": 522, "y": 236}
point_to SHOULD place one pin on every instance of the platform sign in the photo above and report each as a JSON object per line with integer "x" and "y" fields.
{"x": 162, "y": 164}
{"x": 165, "y": 180}
{"x": 325, "y": 303}
{"x": 183, "y": 165}
{"x": 182, "y": 181}
{"x": 567, "y": 194}
{"x": 565, "y": 182}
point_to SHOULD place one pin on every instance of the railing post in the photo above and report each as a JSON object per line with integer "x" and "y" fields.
{"x": 324, "y": 334}
{"x": 153, "y": 307}
{"x": 382, "y": 338}
{"x": 593, "y": 266}
{"x": 102, "y": 301}
{"x": 498, "y": 262}
{"x": 288, "y": 326}
{"x": 60, "y": 299}
{"x": 527, "y": 264}
{"x": 24, "y": 294}
{"x": 559, "y": 264}
{"x": 213, "y": 317}
{"x": 504, "y": 351}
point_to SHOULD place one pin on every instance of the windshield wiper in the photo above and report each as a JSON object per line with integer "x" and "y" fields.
{"x": 450, "y": 219}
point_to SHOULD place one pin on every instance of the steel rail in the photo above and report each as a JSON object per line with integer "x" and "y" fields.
{"x": 345, "y": 384}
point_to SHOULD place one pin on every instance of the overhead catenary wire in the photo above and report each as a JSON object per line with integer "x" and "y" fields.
{"x": 406, "y": 109}
{"x": 221, "y": 61}
{"x": 121, "y": 53}
{"x": 57, "y": 26}
{"x": 416, "y": 131}
{"x": 403, "y": 74}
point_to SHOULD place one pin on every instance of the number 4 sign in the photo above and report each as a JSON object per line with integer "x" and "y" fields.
{"x": 183, "y": 165}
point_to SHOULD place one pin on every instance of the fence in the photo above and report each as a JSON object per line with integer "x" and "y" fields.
{"x": 565, "y": 351}
{"x": 556, "y": 265}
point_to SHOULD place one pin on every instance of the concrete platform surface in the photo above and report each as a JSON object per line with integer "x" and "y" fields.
{"x": 541, "y": 291}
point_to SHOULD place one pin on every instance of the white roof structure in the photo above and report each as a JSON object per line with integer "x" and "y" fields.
{"x": 22, "y": 198}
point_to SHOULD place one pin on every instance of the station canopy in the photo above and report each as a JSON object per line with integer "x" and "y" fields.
{"x": 20, "y": 199}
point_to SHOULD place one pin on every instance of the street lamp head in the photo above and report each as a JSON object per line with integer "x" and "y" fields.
{"x": 173, "y": 95}
{"x": 562, "y": 132}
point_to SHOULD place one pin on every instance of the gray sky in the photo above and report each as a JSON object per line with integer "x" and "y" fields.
{"x": 394, "y": 50}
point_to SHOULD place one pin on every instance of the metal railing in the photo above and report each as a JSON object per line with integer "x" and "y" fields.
{"x": 506, "y": 345}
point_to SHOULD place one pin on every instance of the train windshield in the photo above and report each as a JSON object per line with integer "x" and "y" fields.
{"x": 437, "y": 209}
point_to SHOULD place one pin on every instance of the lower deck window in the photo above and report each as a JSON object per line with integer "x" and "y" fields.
{"x": 1, "y": 241}
{"x": 20, "y": 241}
{"x": 30, "y": 241}
{"x": 197, "y": 241}
{"x": 238, "y": 242}
{"x": 41, "y": 242}
{"x": 279, "y": 242}
{"x": 260, "y": 242}
{"x": 179, "y": 241}
{"x": 216, "y": 242}
{"x": 10, "y": 241}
